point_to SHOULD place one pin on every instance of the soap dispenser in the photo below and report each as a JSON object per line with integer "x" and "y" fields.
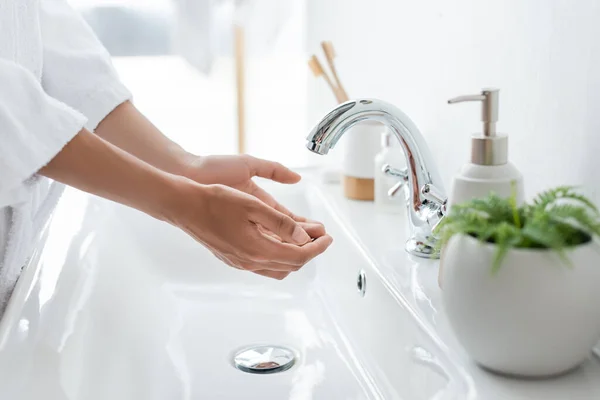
{"x": 489, "y": 169}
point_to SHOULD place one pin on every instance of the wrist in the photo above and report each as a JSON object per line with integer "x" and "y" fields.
{"x": 186, "y": 163}
{"x": 182, "y": 160}
{"x": 173, "y": 196}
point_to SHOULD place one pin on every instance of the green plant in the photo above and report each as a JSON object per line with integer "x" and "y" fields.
{"x": 556, "y": 219}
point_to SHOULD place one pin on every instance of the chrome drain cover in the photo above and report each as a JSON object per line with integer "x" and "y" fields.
{"x": 264, "y": 359}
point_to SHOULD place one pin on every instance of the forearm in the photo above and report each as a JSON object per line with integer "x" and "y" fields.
{"x": 93, "y": 165}
{"x": 128, "y": 129}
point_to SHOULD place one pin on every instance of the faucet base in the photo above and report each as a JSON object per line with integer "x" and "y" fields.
{"x": 424, "y": 248}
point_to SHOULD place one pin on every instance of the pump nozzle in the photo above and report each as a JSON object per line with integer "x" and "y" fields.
{"x": 488, "y": 148}
{"x": 489, "y": 108}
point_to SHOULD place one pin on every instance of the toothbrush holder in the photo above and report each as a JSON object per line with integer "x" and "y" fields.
{"x": 361, "y": 147}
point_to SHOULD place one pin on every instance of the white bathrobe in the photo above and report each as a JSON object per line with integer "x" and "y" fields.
{"x": 55, "y": 78}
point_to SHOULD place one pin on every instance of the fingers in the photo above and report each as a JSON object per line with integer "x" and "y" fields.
{"x": 314, "y": 230}
{"x": 316, "y": 247}
{"x": 280, "y": 224}
{"x": 255, "y": 266}
{"x": 290, "y": 254}
{"x": 270, "y": 254}
{"x": 276, "y": 270}
{"x": 271, "y": 170}
{"x": 266, "y": 198}
{"x": 268, "y": 233}
{"x": 269, "y": 200}
{"x": 279, "y": 275}
{"x": 272, "y": 270}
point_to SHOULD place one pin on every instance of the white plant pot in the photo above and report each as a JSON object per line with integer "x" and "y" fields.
{"x": 536, "y": 316}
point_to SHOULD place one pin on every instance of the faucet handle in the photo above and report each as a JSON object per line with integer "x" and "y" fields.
{"x": 434, "y": 195}
{"x": 397, "y": 173}
{"x": 437, "y": 214}
{"x": 394, "y": 189}
{"x": 434, "y": 220}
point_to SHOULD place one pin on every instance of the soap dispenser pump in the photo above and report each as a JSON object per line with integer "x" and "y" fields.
{"x": 489, "y": 169}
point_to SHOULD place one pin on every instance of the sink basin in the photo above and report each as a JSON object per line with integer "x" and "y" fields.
{"x": 116, "y": 305}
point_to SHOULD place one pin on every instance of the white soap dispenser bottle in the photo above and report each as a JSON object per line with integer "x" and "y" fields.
{"x": 489, "y": 169}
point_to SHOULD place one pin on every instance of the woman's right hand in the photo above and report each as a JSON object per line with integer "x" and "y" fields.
{"x": 244, "y": 232}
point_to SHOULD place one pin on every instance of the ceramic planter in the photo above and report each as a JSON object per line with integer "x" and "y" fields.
{"x": 536, "y": 316}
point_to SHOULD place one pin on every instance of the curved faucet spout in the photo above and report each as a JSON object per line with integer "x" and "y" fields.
{"x": 426, "y": 196}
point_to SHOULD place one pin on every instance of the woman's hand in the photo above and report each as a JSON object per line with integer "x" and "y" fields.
{"x": 138, "y": 166}
{"x": 126, "y": 128}
{"x": 227, "y": 221}
{"x": 237, "y": 172}
{"x": 244, "y": 232}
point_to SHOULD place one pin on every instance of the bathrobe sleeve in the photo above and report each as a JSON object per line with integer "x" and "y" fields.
{"x": 34, "y": 127}
{"x": 77, "y": 68}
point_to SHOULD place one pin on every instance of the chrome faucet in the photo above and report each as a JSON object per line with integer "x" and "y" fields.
{"x": 426, "y": 198}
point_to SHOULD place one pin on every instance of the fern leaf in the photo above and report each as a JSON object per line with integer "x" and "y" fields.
{"x": 513, "y": 204}
{"x": 544, "y": 232}
{"x": 506, "y": 236}
{"x": 583, "y": 200}
{"x": 575, "y": 217}
{"x": 545, "y": 199}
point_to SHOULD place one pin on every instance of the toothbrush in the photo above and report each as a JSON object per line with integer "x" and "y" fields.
{"x": 327, "y": 47}
{"x": 330, "y": 174}
{"x": 317, "y": 70}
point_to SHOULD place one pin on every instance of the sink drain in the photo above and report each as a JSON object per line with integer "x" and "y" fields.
{"x": 361, "y": 283}
{"x": 264, "y": 359}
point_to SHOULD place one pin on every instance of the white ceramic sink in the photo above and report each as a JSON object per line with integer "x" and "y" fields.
{"x": 116, "y": 305}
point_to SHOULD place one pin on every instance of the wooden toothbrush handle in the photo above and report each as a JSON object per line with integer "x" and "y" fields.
{"x": 239, "y": 44}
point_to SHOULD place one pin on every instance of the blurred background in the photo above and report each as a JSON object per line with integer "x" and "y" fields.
{"x": 177, "y": 57}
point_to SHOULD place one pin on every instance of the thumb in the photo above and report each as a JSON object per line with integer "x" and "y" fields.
{"x": 280, "y": 224}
